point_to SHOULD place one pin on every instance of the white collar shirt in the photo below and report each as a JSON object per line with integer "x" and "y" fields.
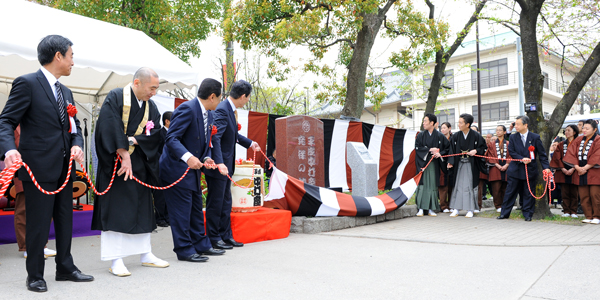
{"x": 202, "y": 108}
{"x": 524, "y": 135}
{"x": 51, "y": 80}
{"x": 231, "y": 103}
{"x": 139, "y": 102}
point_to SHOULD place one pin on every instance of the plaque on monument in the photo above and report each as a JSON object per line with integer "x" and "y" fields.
{"x": 299, "y": 144}
{"x": 364, "y": 170}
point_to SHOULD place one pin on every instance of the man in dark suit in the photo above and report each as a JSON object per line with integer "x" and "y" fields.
{"x": 161, "y": 213}
{"x": 218, "y": 203}
{"x": 187, "y": 145}
{"x": 49, "y": 136}
{"x": 518, "y": 148}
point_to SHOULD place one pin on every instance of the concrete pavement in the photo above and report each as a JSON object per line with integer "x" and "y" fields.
{"x": 412, "y": 258}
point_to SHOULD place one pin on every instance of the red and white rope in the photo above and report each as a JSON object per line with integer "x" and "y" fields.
{"x": 547, "y": 176}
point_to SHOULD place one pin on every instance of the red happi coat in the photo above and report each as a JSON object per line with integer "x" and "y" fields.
{"x": 557, "y": 164}
{"x": 592, "y": 176}
{"x": 495, "y": 174}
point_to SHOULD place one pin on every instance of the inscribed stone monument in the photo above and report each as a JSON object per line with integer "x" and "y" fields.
{"x": 299, "y": 144}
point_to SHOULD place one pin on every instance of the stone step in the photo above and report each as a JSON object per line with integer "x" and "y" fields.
{"x": 325, "y": 224}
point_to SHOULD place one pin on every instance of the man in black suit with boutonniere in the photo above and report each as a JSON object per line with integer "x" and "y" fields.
{"x": 50, "y": 134}
{"x": 526, "y": 146}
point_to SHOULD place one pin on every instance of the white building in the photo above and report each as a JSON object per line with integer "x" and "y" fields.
{"x": 501, "y": 94}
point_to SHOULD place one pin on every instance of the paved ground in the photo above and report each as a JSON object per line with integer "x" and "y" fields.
{"x": 412, "y": 258}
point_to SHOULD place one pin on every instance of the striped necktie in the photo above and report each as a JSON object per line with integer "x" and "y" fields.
{"x": 61, "y": 102}
{"x": 205, "y": 117}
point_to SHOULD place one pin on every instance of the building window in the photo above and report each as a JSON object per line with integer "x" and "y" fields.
{"x": 546, "y": 80}
{"x": 446, "y": 115}
{"x": 447, "y": 82}
{"x": 493, "y": 74}
{"x": 492, "y": 112}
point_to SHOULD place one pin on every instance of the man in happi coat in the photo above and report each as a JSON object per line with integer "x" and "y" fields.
{"x": 467, "y": 167}
{"x": 429, "y": 143}
{"x": 128, "y": 126}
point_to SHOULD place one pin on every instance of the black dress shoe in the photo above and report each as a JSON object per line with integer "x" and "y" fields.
{"x": 527, "y": 219}
{"x": 36, "y": 285}
{"x": 162, "y": 224}
{"x": 193, "y": 258}
{"x": 75, "y": 276}
{"x": 501, "y": 217}
{"x": 233, "y": 243}
{"x": 222, "y": 245}
{"x": 213, "y": 251}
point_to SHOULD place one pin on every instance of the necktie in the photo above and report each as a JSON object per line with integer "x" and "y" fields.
{"x": 236, "y": 116}
{"x": 523, "y": 139}
{"x": 61, "y": 103}
{"x": 205, "y": 117}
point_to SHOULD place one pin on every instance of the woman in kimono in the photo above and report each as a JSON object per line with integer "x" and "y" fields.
{"x": 429, "y": 143}
{"x": 466, "y": 166}
{"x": 445, "y": 190}
{"x": 584, "y": 155}
{"x": 565, "y": 175}
{"x": 497, "y": 153}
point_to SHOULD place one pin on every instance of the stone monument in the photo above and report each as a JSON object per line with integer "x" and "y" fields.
{"x": 364, "y": 170}
{"x": 300, "y": 148}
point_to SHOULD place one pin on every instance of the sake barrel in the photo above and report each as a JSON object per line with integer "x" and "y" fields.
{"x": 251, "y": 198}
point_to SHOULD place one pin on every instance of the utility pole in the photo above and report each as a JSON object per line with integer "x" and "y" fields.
{"x": 478, "y": 79}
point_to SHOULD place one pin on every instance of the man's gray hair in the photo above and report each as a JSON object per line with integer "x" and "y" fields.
{"x": 524, "y": 119}
{"x": 144, "y": 74}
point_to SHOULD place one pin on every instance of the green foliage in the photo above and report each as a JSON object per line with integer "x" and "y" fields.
{"x": 270, "y": 25}
{"x": 178, "y": 25}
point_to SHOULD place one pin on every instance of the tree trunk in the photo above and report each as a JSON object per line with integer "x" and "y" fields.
{"x": 533, "y": 87}
{"x": 442, "y": 58}
{"x": 357, "y": 69}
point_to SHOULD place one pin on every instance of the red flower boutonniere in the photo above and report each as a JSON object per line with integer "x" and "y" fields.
{"x": 239, "y": 126}
{"x": 531, "y": 149}
{"x": 71, "y": 110}
{"x": 213, "y": 131}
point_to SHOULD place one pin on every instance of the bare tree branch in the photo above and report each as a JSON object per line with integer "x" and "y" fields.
{"x": 349, "y": 41}
{"x": 465, "y": 30}
{"x": 523, "y": 4}
{"x": 386, "y": 7}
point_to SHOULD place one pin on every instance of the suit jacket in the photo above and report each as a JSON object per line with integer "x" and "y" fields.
{"x": 224, "y": 140}
{"x": 518, "y": 151}
{"x": 44, "y": 139}
{"x": 185, "y": 134}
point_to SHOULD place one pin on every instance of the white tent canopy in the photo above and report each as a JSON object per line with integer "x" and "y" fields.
{"x": 106, "y": 55}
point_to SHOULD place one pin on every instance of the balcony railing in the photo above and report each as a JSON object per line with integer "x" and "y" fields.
{"x": 555, "y": 86}
{"x": 511, "y": 78}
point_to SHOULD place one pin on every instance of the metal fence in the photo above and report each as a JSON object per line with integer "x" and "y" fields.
{"x": 511, "y": 78}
